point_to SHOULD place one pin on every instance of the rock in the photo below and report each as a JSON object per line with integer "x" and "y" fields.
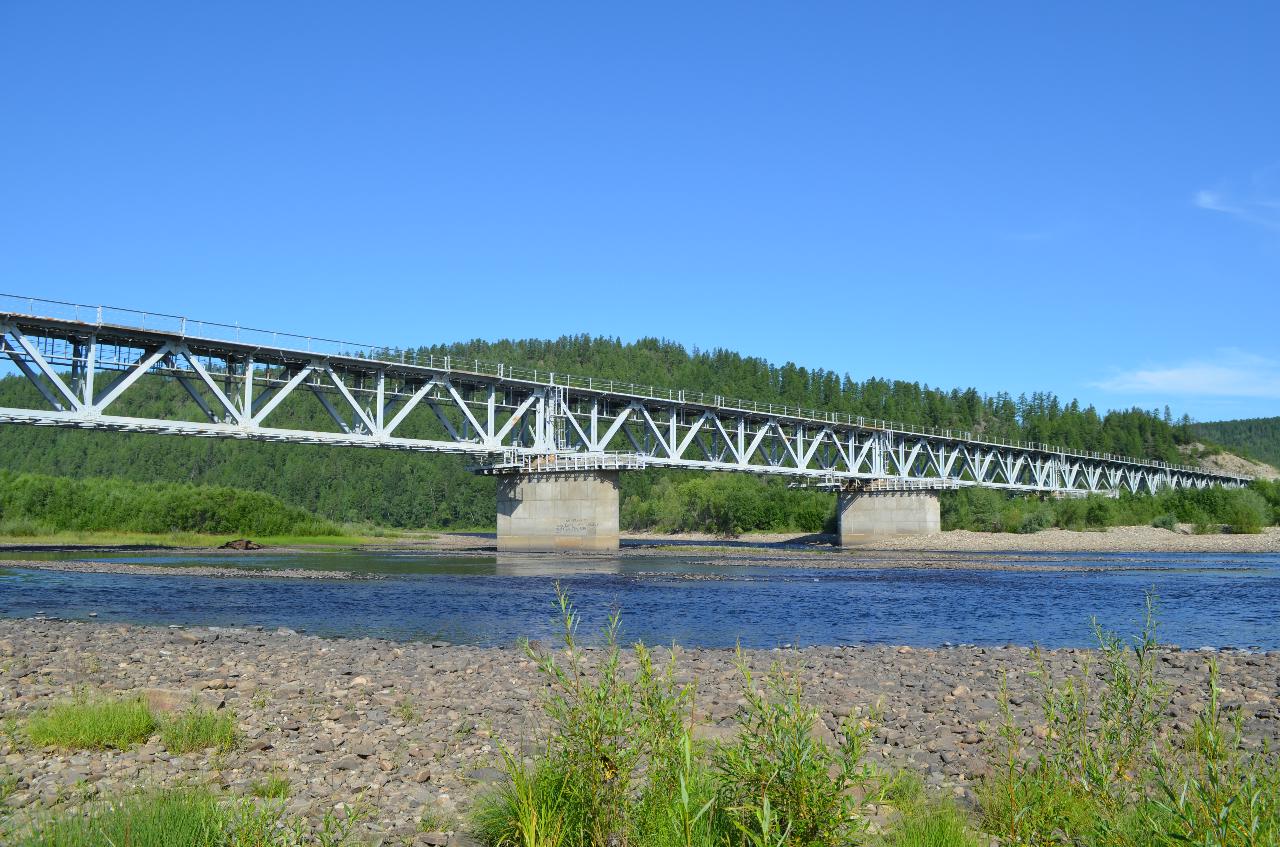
{"x": 167, "y": 700}
{"x": 241, "y": 544}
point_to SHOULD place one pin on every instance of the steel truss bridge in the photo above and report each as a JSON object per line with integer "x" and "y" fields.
{"x": 85, "y": 362}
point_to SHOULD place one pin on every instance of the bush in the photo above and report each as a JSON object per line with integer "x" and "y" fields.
{"x": 1246, "y": 512}
{"x": 51, "y": 504}
{"x": 777, "y": 767}
{"x": 621, "y": 766}
{"x": 1165, "y": 521}
{"x": 94, "y": 724}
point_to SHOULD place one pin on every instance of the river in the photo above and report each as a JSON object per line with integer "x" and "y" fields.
{"x": 1219, "y": 600}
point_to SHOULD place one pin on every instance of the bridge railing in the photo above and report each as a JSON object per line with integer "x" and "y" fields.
{"x": 319, "y": 346}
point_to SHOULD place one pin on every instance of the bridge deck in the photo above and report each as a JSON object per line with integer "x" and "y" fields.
{"x": 87, "y": 364}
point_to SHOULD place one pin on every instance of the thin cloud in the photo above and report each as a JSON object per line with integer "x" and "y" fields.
{"x": 1260, "y": 206}
{"x": 1232, "y": 373}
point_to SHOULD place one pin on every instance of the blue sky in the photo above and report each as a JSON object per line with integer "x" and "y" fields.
{"x": 1083, "y": 198}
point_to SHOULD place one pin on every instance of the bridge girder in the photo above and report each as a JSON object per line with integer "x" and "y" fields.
{"x": 83, "y": 369}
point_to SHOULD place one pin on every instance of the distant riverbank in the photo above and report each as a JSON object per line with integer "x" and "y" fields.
{"x": 1123, "y": 539}
{"x": 1118, "y": 539}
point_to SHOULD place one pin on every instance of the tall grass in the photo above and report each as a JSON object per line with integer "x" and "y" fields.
{"x": 99, "y": 723}
{"x": 92, "y": 723}
{"x": 183, "y": 817}
{"x": 199, "y": 729}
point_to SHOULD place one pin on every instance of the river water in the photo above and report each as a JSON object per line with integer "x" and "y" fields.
{"x": 1219, "y": 600}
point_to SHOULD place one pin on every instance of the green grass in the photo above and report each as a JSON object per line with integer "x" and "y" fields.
{"x": 274, "y": 787}
{"x": 92, "y": 723}
{"x": 165, "y": 819}
{"x": 183, "y": 817}
{"x": 932, "y": 825}
{"x": 199, "y": 729}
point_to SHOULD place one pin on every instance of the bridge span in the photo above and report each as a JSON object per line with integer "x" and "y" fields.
{"x": 556, "y": 442}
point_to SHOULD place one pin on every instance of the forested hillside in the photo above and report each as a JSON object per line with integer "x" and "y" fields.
{"x": 417, "y": 490}
{"x": 1257, "y": 438}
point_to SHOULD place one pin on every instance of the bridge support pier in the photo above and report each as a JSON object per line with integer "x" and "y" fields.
{"x": 546, "y": 512}
{"x": 864, "y": 516}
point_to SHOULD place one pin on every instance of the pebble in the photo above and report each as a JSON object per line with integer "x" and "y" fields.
{"x": 417, "y": 727}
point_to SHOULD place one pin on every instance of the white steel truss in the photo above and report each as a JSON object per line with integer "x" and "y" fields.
{"x": 82, "y": 366}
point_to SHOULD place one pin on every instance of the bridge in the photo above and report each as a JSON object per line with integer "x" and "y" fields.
{"x": 555, "y": 442}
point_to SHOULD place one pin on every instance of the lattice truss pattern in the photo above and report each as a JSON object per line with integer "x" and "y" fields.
{"x": 103, "y": 376}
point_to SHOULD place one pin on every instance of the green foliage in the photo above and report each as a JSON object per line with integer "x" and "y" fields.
{"x": 988, "y": 510}
{"x": 1104, "y": 774}
{"x": 1247, "y": 513}
{"x": 610, "y": 731}
{"x": 1258, "y": 438}
{"x": 776, "y": 765}
{"x": 199, "y": 729}
{"x": 32, "y": 501}
{"x": 727, "y": 504}
{"x": 621, "y": 766}
{"x": 92, "y": 723}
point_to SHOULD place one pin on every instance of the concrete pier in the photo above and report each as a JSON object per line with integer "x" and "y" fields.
{"x": 866, "y": 515}
{"x": 550, "y": 511}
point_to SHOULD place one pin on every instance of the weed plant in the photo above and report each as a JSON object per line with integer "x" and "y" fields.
{"x": 621, "y": 766}
{"x": 92, "y": 723}
{"x": 1105, "y": 774}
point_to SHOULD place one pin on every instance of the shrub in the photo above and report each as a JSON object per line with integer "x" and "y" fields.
{"x": 1165, "y": 521}
{"x": 776, "y": 759}
{"x": 1246, "y": 512}
{"x": 40, "y": 504}
{"x": 1037, "y": 519}
{"x": 1105, "y": 775}
{"x": 92, "y": 724}
{"x": 1099, "y": 511}
{"x": 621, "y": 766}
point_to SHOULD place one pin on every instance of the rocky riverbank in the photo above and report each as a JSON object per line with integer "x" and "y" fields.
{"x": 412, "y": 729}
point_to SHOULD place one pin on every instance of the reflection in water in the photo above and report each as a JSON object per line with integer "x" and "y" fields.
{"x": 544, "y": 564}
{"x": 1221, "y": 600}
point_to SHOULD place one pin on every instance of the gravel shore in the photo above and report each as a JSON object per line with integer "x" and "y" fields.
{"x": 414, "y": 728}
